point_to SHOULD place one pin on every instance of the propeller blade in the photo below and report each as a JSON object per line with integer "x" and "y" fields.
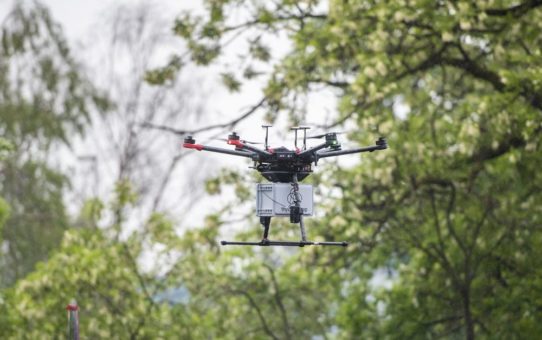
{"x": 242, "y": 141}
{"x": 324, "y": 134}
{"x": 249, "y": 142}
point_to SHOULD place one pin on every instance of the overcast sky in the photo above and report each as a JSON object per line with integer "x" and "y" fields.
{"x": 78, "y": 16}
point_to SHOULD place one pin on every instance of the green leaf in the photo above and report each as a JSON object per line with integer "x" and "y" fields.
{"x": 231, "y": 83}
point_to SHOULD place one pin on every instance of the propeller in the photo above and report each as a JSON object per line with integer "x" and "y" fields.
{"x": 242, "y": 141}
{"x": 325, "y": 134}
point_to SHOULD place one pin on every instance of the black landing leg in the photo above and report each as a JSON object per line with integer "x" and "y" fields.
{"x": 265, "y": 221}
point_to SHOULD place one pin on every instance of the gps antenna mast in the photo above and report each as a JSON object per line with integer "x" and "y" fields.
{"x": 295, "y": 128}
{"x": 304, "y": 128}
{"x": 266, "y": 127}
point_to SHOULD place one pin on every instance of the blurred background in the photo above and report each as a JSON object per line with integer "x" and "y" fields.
{"x": 100, "y": 204}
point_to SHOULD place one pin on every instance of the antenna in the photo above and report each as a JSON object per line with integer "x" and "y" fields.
{"x": 304, "y": 128}
{"x": 266, "y": 127}
{"x": 295, "y": 128}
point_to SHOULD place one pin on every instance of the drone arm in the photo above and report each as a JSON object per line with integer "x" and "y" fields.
{"x": 346, "y": 152}
{"x": 313, "y": 150}
{"x": 200, "y": 147}
{"x": 242, "y": 145}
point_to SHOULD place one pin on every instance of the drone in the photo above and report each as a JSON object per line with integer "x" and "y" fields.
{"x": 285, "y": 168}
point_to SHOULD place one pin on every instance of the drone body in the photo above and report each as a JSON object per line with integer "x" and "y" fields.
{"x": 282, "y": 165}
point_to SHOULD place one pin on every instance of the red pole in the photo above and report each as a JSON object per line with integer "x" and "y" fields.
{"x": 73, "y": 321}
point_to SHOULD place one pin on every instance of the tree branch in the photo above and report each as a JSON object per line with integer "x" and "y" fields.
{"x": 515, "y": 11}
{"x": 533, "y": 98}
{"x": 258, "y": 311}
{"x": 277, "y": 19}
{"x": 476, "y": 70}
{"x": 488, "y": 153}
{"x": 449, "y": 225}
{"x": 278, "y": 299}
{"x": 144, "y": 288}
{"x": 437, "y": 221}
{"x": 229, "y": 124}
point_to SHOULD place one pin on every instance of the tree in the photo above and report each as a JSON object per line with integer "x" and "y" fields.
{"x": 44, "y": 100}
{"x": 116, "y": 299}
{"x": 452, "y": 209}
{"x": 120, "y": 146}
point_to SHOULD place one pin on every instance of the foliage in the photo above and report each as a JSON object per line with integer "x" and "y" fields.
{"x": 43, "y": 93}
{"x": 37, "y": 206}
{"x": 5, "y": 148}
{"x": 44, "y": 101}
{"x": 4, "y": 212}
{"x": 98, "y": 273}
{"x": 207, "y": 292}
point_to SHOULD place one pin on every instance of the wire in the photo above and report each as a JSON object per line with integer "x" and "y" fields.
{"x": 274, "y": 200}
{"x": 292, "y": 199}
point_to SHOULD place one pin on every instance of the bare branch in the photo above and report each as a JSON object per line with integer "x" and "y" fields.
{"x": 229, "y": 124}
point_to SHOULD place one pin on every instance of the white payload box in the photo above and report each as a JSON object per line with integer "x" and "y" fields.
{"x": 275, "y": 199}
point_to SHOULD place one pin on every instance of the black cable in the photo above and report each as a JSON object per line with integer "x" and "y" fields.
{"x": 274, "y": 200}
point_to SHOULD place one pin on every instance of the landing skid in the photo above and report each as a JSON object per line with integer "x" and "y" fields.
{"x": 265, "y": 243}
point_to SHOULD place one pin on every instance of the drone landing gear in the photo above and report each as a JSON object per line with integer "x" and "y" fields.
{"x": 296, "y": 216}
{"x": 265, "y": 242}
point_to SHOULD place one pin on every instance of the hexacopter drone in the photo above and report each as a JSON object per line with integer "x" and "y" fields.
{"x": 285, "y": 168}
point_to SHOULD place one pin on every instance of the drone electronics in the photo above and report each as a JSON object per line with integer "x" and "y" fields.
{"x": 285, "y": 168}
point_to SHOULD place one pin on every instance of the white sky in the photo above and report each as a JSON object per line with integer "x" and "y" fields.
{"x": 77, "y": 16}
